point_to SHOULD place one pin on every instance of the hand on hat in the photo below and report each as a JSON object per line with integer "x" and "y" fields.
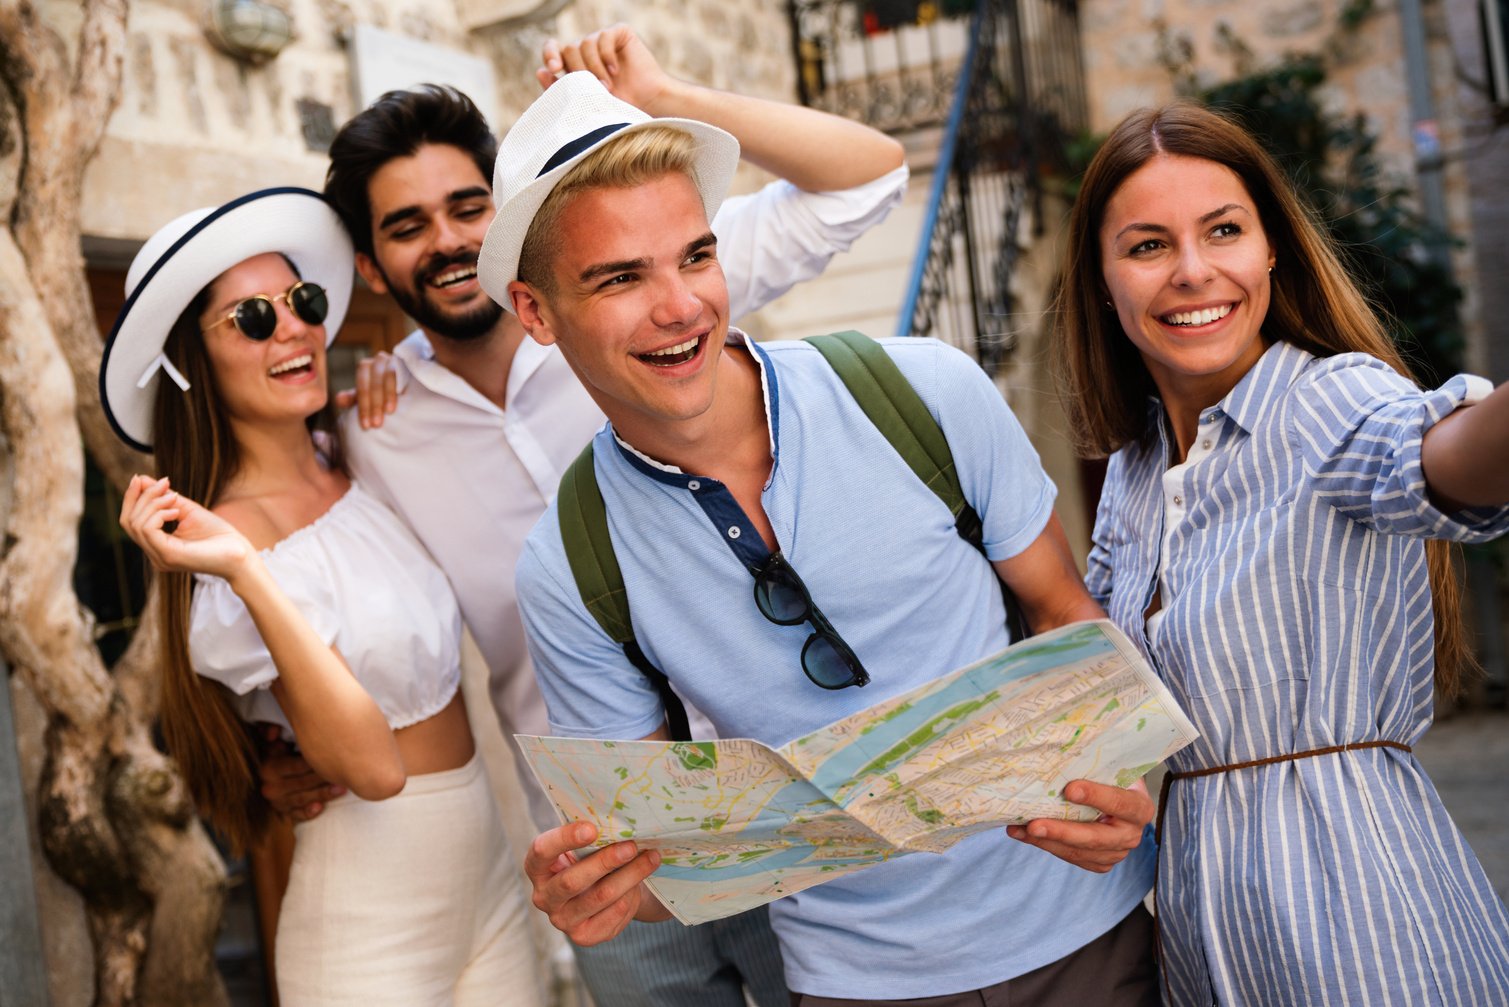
{"x": 617, "y": 57}
{"x": 202, "y": 542}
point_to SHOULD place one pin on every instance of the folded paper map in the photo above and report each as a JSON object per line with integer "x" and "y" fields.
{"x": 739, "y": 824}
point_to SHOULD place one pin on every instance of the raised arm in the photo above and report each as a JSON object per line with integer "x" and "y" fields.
{"x": 1466, "y": 456}
{"x": 812, "y": 150}
{"x": 343, "y": 734}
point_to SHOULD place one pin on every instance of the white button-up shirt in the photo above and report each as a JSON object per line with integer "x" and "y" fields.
{"x": 471, "y": 479}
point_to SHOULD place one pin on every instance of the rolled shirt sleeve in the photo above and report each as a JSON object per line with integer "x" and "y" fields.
{"x": 1360, "y": 425}
{"x": 779, "y": 236}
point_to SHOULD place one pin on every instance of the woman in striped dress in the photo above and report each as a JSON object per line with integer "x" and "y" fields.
{"x": 1273, "y": 531}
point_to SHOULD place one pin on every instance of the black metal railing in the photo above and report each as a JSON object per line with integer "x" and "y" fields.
{"x": 1018, "y": 98}
{"x": 888, "y": 63}
{"x": 1004, "y": 81}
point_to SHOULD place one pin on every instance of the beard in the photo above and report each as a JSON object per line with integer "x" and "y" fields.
{"x": 460, "y": 327}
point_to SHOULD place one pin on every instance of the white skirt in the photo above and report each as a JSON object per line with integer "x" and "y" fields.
{"x": 416, "y": 900}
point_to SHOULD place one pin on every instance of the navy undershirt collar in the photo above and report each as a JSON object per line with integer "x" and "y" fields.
{"x": 732, "y": 524}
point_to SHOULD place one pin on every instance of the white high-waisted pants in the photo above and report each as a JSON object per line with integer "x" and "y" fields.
{"x": 413, "y": 901}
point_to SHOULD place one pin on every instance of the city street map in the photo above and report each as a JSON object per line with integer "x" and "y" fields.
{"x": 739, "y": 824}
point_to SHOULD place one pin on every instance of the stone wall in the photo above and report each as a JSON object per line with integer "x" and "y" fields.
{"x": 196, "y": 127}
{"x": 1125, "y": 39}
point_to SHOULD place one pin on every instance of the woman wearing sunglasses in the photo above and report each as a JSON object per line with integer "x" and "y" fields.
{"x": 291, "y": 597}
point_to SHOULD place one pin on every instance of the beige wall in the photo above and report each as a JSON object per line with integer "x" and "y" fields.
{"x": 1123, "y": 40}
{"x": 196, "y": 127}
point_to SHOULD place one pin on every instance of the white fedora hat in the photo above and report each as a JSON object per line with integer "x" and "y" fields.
{"x": 183, "y": 257}
{"x": 574, "y": 117}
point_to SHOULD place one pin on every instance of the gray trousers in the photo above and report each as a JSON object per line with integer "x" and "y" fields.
{"x": 670, "y": 965}
{"x": 1114, "y": 970}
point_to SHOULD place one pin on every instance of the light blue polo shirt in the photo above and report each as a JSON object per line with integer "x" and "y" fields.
{"x": 880, "y": 556}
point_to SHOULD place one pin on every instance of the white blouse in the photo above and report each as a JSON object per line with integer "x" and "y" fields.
{"x": 369, "y": 589}
{"x": 1175, "y": 510}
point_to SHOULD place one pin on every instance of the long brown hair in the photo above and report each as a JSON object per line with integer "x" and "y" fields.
{"x": 195, "y": 449}
{"x": 1314, "y": 304}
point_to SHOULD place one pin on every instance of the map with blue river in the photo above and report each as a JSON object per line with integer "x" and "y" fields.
{"x": 739, "y": 824}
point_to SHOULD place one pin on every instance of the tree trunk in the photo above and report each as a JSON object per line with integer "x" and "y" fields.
{"x": 114, "y": 818}
{"x": 63, "y": 117}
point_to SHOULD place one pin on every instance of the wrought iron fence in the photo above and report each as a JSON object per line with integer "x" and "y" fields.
{"x": 1017, "y": 99}
{"x": 888, "y": 63}
{"x": 1003, "y": 78}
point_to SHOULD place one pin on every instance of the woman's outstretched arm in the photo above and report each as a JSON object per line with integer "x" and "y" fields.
{"x": 1466, "y": 456}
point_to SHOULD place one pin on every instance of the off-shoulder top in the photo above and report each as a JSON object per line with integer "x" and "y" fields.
{"x": 369, "y": 589}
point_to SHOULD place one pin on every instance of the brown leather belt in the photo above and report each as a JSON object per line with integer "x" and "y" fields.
{"x": 1291, "y": 757}
{"x": 1215, "y": 771}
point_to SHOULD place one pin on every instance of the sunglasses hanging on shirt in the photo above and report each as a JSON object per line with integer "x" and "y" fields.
{"x": 784, "y": 600}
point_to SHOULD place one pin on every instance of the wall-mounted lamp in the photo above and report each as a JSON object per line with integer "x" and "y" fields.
{"x": 248, "y": 29}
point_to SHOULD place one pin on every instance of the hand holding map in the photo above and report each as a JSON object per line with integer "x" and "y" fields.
{"x": 738, "y": 824}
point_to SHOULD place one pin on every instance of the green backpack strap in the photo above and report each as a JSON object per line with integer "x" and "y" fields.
{"x": 589, "y": 550}
{"x": 898, "y": 412}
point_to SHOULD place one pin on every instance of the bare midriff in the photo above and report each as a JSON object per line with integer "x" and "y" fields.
{"x": 437, "y": 743}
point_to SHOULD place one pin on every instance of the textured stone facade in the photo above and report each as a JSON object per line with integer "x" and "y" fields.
{"x": 1124, "y": 43}
{"x": 195, "y": 126}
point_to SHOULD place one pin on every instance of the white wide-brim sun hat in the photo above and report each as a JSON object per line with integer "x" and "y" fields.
{"x": 574, "y": 117}
{"x": 182, "y": 259}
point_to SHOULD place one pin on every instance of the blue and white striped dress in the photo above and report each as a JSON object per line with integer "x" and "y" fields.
{"x": 1297, "y": 615}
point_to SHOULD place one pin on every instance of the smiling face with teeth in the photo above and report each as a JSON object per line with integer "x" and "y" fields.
{"x": 639, "y": 306}
{"x": 278, "y": 380}
{"x": 430, "y": 212}
{"x": 1185, "y": 261}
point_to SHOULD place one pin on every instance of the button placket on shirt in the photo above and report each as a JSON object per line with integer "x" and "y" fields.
{"x": 1177, "y": 496}
{"x": 1175, "y": 491}
{"x": 720, "y": 507}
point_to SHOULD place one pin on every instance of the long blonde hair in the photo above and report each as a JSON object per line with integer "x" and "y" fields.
{"x": 1315, "y": 304}
{"x": 195, "y": 449}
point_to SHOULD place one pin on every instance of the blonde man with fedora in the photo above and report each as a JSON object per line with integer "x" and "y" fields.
{"x": 728, "y": 467}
